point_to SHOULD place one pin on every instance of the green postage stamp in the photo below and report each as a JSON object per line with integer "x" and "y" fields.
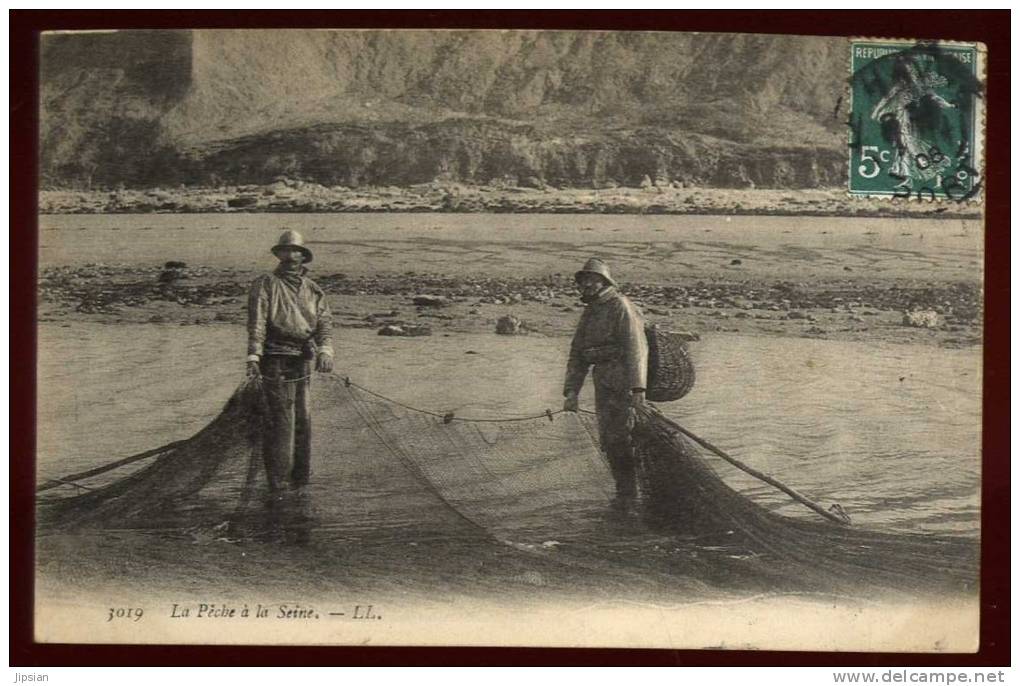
{"x": 916, "y": 120}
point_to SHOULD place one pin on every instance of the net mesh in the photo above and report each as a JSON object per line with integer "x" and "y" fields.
{"x": 684, "y": 491}
{"x": 535, "y": 479}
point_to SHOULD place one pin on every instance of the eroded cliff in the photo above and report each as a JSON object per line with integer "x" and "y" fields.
{"x": 353, "y": 108}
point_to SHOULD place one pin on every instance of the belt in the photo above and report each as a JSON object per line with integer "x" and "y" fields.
{"x": 305, "y": 347}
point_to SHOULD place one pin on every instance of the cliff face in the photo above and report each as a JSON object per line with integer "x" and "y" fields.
{"x": 402, "y": 107}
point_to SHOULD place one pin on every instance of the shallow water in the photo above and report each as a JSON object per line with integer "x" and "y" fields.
{"x": 640, "y": 248}
{"x": 892, "y": 432}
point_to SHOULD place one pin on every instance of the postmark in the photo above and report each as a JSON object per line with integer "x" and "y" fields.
{"x": 916, "y": 120}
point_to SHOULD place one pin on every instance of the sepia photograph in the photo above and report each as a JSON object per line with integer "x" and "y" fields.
{"x": 515, "y": 338}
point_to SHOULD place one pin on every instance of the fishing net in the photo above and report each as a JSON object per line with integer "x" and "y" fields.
{"x": 529, "y": 479}
{"x": 685, "y": 493}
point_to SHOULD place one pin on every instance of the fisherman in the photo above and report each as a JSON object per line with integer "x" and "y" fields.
{"x": 611, "y": 337}
{"x": 289, "y": 325}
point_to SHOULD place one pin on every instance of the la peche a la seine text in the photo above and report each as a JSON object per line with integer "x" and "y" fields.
{"x": 260, "y": 611}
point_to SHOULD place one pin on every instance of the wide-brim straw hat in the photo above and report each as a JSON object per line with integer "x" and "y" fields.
{"x": 292, "y": 239}
{"x": 595, "y": 266}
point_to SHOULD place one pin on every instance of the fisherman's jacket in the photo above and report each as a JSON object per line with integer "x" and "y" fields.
{"x": 287, "y": 313}
{"x": 610, "y": 336}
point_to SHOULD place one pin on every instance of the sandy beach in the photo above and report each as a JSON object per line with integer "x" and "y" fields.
{"x": 830, "y": 278}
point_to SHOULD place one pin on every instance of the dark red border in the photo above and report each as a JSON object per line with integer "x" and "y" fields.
{"x": 990, "y": 27}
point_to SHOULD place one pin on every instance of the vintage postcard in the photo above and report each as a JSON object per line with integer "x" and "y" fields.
{"x": 510, "y": 338}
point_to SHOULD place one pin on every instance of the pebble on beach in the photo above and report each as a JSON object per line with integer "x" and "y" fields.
{"x": 924, "y": 319}
{"x": 509, "y": 325}
{"x": 430, "y": 301}
{"x": 406, "y": 330}
{"x": 459, "y": 302}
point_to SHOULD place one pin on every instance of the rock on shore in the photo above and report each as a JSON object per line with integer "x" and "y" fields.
{"x": 509, "y": 325}
{"x": 307, "y": 197}
{"x": 842, "y": 309}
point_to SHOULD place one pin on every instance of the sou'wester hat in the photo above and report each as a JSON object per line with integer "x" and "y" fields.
{"x": 596, "y": 266}
{"x": 292, "y": 239}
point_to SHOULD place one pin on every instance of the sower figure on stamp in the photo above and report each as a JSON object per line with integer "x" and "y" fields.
{"x": 610, "y": 337}
{"x": 289, "y": 325}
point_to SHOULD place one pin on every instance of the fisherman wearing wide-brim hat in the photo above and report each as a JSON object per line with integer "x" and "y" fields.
{"x": 289, "y": 325}
{"x": 610, "y": 338}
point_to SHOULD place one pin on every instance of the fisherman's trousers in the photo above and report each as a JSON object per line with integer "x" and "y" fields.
{"x": 287, "y": 437}
{"x": 612, "y": 409}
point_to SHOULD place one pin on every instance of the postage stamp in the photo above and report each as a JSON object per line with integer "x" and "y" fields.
{"x": 916, "y": 120}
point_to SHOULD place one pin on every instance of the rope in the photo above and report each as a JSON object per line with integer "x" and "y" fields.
{"x": 68, "y": 480}
{"x": 411, "y": 465}
{"x": 416, "y": 470}
{"x": 282, "y": 380}
{"x": 835, "y": 513}
{"x": 448, "y": 417}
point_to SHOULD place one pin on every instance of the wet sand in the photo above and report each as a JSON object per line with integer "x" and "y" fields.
{"x": 831, "y": 278}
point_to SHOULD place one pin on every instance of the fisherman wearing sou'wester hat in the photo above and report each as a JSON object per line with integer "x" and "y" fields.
{"x": 610, "y": 337}
{"x": 289, "y": 325}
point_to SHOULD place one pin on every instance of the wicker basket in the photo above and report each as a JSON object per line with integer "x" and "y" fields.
{"x": 670, "y": 369}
